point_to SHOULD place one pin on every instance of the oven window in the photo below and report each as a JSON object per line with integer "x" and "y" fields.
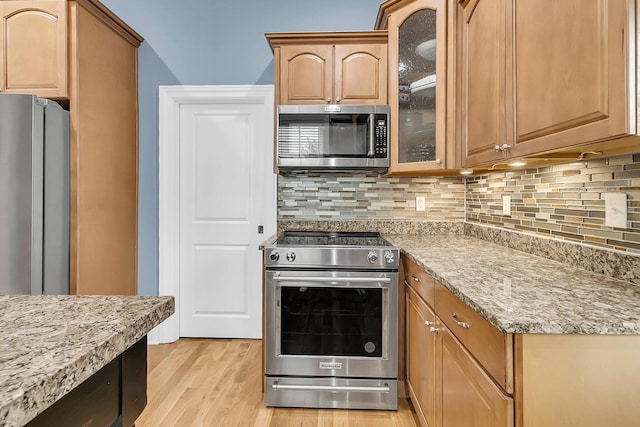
{"x": 331, "y": 321}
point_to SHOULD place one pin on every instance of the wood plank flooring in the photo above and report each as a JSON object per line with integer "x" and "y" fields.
{"x": 217, "y": 382}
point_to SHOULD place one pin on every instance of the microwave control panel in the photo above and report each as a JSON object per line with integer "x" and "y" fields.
{"x": 381, "y": 138}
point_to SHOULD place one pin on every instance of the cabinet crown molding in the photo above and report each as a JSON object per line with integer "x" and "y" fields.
{"x": 325, "y": 37}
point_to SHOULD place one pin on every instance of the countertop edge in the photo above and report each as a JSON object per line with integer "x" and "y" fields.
{"x": 514, "y": 327}
{"x": 27, "y": 404}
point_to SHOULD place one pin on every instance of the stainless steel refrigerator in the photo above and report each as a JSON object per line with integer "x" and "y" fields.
{"x": 34, "y": 196}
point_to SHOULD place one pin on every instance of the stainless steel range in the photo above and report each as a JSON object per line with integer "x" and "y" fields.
{"x": 331, "y": 321}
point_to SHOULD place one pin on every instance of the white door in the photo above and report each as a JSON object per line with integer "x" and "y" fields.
{"x": 226, "y": 192}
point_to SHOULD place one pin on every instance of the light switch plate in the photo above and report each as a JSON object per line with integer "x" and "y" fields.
{"x": 420, "y": 203}
{"x": 615, "y": 214}
{"x": 506, "y": 205}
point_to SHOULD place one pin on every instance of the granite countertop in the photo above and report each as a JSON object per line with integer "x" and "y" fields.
{"x": 522, "y": 293}
{"x": 51, "y": 344}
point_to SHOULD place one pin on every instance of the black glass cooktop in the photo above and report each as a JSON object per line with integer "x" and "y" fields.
{"x": 319, "y": 238}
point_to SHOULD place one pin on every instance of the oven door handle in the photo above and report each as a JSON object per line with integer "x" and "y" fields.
{"x": 371, "y": 389}
{"x": 279, "y": 278}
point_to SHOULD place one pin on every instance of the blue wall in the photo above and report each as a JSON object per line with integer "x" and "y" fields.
{"x": 210, "y": 42}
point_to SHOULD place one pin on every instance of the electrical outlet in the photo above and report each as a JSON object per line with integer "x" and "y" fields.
{"x": 506, "y": 205}
{"x": 615, "y": 214}
{"x": 421, "y": 204}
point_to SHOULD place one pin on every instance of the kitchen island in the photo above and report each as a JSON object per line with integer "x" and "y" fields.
{"x": 51, "y": 346}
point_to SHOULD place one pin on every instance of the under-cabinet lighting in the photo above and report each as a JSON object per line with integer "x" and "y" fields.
{"x": 466, "y": 171}
{"x": 517, "y": 163}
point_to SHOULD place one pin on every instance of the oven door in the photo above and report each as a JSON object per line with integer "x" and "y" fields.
{"x": 331, "y": 323}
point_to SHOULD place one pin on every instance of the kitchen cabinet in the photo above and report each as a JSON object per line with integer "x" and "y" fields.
{"x": 33, "y": 47}
{"x": 103, "y": 107}
{"x": 422, "y": 361}
{"x": 461, "y": 378}
{"x": 330, "y": 68}
{"x": 420, "y": 61}
{"x": 538, "y": 76}
{"x": 469, "y": 396}
{"x": 81, "y": 54}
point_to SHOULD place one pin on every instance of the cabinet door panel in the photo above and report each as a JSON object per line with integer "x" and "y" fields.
{"x": 569, "y": 69}
{"x": 470, "y": 398}
{"x": 306, "y": 74}
{"x": 418, "y": 83}
{"x": 361, "y": 74}
{"x": 483, "y": 62}
{"x": 34, "y": 43}
{"x": 422, "y": 372}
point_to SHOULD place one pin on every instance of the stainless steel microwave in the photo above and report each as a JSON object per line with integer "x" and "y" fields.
{"x": 333, "y": 137}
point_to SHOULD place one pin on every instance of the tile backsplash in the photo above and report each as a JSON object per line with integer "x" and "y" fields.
{"x": 564, "y": 201}
{"x": 348, "y": 196}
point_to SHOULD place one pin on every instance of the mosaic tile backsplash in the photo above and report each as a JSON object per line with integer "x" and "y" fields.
{"x": 348, "y": 196}
{"x": 564, "y": 202}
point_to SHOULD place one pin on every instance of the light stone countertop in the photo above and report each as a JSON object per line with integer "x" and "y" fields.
{"x": 522, "y": 293}
{"x": 51, "y": 344}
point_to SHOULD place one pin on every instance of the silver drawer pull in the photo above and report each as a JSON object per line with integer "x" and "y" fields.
{"x": 454, "y": 316}
{"x": 416, "y": 278}
{"x": 372, "y": 389}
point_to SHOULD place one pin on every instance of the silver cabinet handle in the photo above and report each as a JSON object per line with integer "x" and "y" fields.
{"x": 433, "y": 329}
{"x": 338, "y": 99}
{"x": 503, "y": 147}
{"x": 416, "y": 278}
{"x": 428, "y": 323}
{"x": 372, "y": 389}
{"x": 438, "y": 161}
{"x": 328, "y": 100}
{"x": 464, "y": 325}
{"x": 332, "y": 279}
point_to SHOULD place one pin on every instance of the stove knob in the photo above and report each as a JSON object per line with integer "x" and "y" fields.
{"x": 274, "y": 256}
{"x": 291, "y": 256}
{"x": 388, "y": 257}
{"x": 372, "y": 257}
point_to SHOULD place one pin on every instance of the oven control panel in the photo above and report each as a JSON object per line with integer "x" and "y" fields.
{"x": 387, "y": 258}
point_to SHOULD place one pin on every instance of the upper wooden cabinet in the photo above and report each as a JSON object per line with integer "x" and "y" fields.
{"x": 537, "y": 76}
{"x": 420, "y": 60}
{"x": 321, "y": 68}
{"x": 33, "y": 52}
{"x": 78, "y": 52}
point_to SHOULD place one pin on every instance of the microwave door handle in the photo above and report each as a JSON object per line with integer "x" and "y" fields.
{"x": 372, "y": 136}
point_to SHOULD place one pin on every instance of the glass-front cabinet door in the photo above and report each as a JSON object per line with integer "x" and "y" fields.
{"x": 417, "y": 86}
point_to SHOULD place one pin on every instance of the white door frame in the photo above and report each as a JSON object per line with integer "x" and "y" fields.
{"x": 171, "y": 99}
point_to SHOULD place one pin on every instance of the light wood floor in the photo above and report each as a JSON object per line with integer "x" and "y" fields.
{"x": 196, "y": 382}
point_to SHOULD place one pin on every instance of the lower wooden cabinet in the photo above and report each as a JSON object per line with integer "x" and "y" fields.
{"x": 469, "y": 396}
{"x": 461, "y": 371}
{"x": 422, "y": 358}
{"x": 447, "y": 385}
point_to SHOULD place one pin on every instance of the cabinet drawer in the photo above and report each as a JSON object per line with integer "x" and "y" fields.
{"x": 419, "y": 281}
{"x": 492, "y": 348}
